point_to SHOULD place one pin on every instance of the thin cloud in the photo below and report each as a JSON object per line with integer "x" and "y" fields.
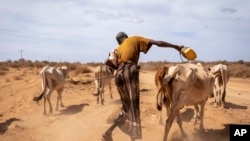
{"x": 82, "y": 30}
{"x": 228, "y": 10}
{"x": 104, "y": 15}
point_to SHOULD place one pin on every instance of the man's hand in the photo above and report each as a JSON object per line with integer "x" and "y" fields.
{"x": 180, "y": 47}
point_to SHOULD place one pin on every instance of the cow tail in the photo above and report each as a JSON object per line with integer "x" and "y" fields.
{"x": 223, "y": 83}
{"x": 159, "y": 100}
{"x": 42, "y": 75}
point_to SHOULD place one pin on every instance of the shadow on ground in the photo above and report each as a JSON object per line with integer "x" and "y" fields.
{"x": 4, "y": 125}
{"x": 233, "y": 106}
{"x": 73, "y": 109}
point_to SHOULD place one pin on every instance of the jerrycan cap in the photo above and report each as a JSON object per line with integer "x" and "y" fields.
{"x": 188, "y": 53}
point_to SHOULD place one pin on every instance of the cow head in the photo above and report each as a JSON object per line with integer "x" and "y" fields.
{"x": 211, "y": 79}
{"x": 64, "y": 70}
{"x": 112, "y": 59}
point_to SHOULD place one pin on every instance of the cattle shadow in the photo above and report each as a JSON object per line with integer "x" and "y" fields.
{"x": 229, "y": 105}
{"x": 4, "y": 125}
{"x": 73, "y": 109}
{"x": 207, "y": 135}
{"x": 187, "y": 115}
{"x": 222, "y": 134}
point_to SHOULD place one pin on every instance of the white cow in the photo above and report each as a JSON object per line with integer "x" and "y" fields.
{"x": 103, "y": 76}
{"x": 221, "y": 75}
{"x": 53, "y": 79}
{"x": 186, "y": 84}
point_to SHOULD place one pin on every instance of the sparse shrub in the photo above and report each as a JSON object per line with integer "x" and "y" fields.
{"x": 83, "y": 69}
{"x": 17, "y": 78}
{"x": 241, "y": 62}
{"x": 72, "y": 66}
{"x": 4, "y": 67}
{"x": 2, "y": 73}
{"x": 38, "y": 64}
{"x": 15, "y": 64}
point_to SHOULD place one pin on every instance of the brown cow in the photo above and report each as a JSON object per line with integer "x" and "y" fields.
{"x": 53, "y": 79}
{"x": 159, "y": 76}
{"x": 186, "y": 84}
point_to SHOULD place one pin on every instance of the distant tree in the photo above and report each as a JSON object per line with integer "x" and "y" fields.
{"x": 241, "y": 62}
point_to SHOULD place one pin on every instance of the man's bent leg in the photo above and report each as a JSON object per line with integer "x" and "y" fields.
{"x": 107, "y": 136}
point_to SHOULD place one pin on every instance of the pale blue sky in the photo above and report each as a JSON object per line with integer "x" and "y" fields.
{"x": 84, "y": 30}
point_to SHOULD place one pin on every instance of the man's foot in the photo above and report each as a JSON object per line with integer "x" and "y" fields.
{"x": 107, "y": 137}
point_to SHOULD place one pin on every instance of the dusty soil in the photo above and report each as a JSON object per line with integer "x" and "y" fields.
{"x": 82, "y": 119}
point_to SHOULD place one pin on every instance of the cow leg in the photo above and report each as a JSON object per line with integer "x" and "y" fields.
{"x": 196, "y": 113}
{"x": 223, "y": 97}
{"x": 169, "y": 121}
{"x": 102, "y": 95}
{"x": 202, "y": 116}
{"x": 44, "y": 104}
{"x": 219, "y": 98}
{"x": 49, "y": 101}
{"x": 59, "y": 98}
{"x": 111, "y": 96}
{"x": 179, "y": 122}
{"x": 98, "y": 96}
{"x": 97, "y": 91}
{"x": 217, "y": 95}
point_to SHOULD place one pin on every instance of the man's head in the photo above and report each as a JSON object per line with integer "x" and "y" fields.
{"x": 120, "y": 36}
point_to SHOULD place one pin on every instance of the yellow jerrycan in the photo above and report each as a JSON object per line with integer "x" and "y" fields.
{"x": 188, "y": 53}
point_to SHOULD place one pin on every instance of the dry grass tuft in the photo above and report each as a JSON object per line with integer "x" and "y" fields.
{"x": 82, "y": 69}
{"x": 17, "y": 78}
{"x": 3, "y": 73}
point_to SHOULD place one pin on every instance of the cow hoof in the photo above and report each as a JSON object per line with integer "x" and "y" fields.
{"x": 106, "y": 137}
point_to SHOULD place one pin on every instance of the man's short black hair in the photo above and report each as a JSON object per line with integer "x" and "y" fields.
{"x": 120, "y": 37}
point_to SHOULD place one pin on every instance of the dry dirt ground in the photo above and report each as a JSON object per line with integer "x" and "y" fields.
{"x": 82, "y": 119}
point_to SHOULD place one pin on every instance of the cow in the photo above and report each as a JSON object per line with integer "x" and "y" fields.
{"x": 159, "y": 76}
{"x": 52, "y": 79}
{"x": 102, "y": 77}
{"x": 221, "y": 75}
{"x": 186, "y": 84}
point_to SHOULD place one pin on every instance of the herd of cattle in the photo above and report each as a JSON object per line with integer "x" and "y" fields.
{"x": 178, "y": 86}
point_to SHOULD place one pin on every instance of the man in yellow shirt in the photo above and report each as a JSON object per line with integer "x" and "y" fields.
{"x": 127, "y": 82}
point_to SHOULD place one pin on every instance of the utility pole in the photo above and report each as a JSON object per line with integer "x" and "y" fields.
{"x": 21, "y": 60}
{"x": 21, "y": 51}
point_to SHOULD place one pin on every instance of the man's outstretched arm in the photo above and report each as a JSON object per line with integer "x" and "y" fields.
{"x": 165, "y": 44}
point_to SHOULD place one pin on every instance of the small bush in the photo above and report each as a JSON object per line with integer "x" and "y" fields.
{"x": 83, "y": 69}
{"x": 7, "y": 80}
{"x": 72, "y": 66}
{"x": 2, "y": 73}
{"x": 17, "y": 78}
{"x": 4, "y": 67}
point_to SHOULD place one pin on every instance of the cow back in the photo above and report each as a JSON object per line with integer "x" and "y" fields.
{"x": 188, "y": 84}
